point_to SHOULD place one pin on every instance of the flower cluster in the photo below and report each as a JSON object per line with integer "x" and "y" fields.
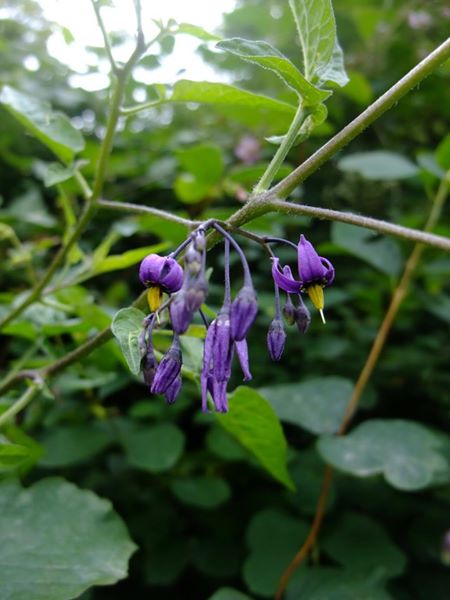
{"x": 226, "y": 335}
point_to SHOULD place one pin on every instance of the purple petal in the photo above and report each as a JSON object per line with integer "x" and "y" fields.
{"x": 310, "y": 267}
{"x": 173, "y": 390}
{"x": 243, "y": 312}
{"x": 285, "y": 282}
{"x": 242, "y": 352}
{"x": 276, "y": 338}
{"x": 329, "y": 275}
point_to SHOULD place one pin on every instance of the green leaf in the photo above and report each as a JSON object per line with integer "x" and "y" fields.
{"x": 317, "y": 405}
{"x": 334, "y": 71}
{"x": 127, "y": 326}
{"x": 155, "y": 449}
{"x": 382, "y": 253}
{"x": 378, "y": 165}
{"x": 74, "y": 444}
{"x": 253, "y": 422}
{"x": 268, "y": 57}
{"x": 56, "y": 173}
{"x": 273, "y": 538}
{"x": 195, "y": 31}
{"x": 192, "y": 349}
{"x": 51, "y": 128}
{"x": 346, "y": 543}
{"x": 410, "y": 456}
{"x": 326, "y": 583}
{"x": 11, "y": 455}
{"x": 222, "y": 94}
{"x": 316, "y": 27}
{"x": 127, "y": 259}
{"x": 59, "y": 540}
{"x": 228, "y": 594}
{"x": 202, "y": 492}
{"x": 222, "y": 444}
{"x": 189, "y": 189}
{"x": 204, "y": 161}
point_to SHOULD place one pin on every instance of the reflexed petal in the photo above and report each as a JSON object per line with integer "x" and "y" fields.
{"x": 329, "y": 275}
{"x": 242, "y": 352}
{"x": 285, "y": 282}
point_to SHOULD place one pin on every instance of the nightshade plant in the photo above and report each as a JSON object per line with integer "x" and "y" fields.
{"x": 221, "y": 159}
{"x": 228, "y": 331}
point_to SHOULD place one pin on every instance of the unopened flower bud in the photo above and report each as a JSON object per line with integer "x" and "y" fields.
{"x": 302, "y": 317}
{"x": 243, "y": 312}
{"x": 289, "y": 311}
{"x": 276, "y": 338}
{"x": 173, "y": 390}
{"x": 168, "y": 369}
{"x": 222, "y": 348}
{"x": 149, "y": 365}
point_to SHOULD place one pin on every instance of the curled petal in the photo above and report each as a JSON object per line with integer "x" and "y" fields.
{"x": 329, "y": 275}
{"x": 242, "y": 352}
{"x": 163, "y": 271}
{"x": 283, "y": 281}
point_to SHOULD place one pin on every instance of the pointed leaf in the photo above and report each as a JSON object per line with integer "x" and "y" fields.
{"x": 253, "y": 422}
{"x": 263, "y": 54}
{"x": 53, "y": 129}
{"x": 127, "y": 327}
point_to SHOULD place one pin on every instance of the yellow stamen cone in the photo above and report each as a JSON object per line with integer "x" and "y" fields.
{"x": 154, "y": 296}
{"x": 315, "y": 292}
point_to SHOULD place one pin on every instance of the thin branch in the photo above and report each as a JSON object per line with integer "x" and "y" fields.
{"x": 366, "y": 118}
{"x": 20, "y": 403}
{"x": 105, "y": 35}
{"x": 145, "y": 210}
{"x": 406, "y": 233}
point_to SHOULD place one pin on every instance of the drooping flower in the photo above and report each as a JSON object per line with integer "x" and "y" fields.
{"x": 315, "y": 272}
{"x": 160, "y": 274}
{"x": 243, "y": 312}
{"x": 168, "y": 369}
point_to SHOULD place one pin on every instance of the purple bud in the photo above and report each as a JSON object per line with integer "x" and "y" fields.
{"x": 243, "y": 312}
{"x": 276, "y": 338}
{"x": 242, "y": 352}
{"x": 187, "y": 302}
{"x": 161, "y": 270}
{"x": 180, "y": 316}
{"x": 168, "y": 369}
{"x": 289, "y": 311}
{"x": 173, "y": 390}
{"x": 302, "y": 317}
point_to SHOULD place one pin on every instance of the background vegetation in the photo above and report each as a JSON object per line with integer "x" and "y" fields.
{"x": 202, "y": 511}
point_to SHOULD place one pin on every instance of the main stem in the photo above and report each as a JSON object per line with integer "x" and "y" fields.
{"x": 281, "y": 153}
{"x": 364, "y": 376}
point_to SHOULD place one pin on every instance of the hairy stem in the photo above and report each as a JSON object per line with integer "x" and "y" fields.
{"x": 145, "y": 210}
{"x": 364, "y": 376}
{"x": 366, "y": 118}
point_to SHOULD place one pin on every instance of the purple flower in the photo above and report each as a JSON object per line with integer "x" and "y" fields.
{"x": 315, "y": 272}
{"x": 173, "y": 390}
{"x": 243, "y": 312}
{"x": 168, "y": 369}
{"x": 276, "y": 338}
{"x": 218, "y": 353}
{"x": 162, "y": 271}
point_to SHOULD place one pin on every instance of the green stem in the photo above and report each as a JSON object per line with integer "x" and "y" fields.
{"x": 145, "y": 210}
{"x": 279, "y": 156}
{"x": 20, "y": 403}
{"x": 429, "y": 64}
